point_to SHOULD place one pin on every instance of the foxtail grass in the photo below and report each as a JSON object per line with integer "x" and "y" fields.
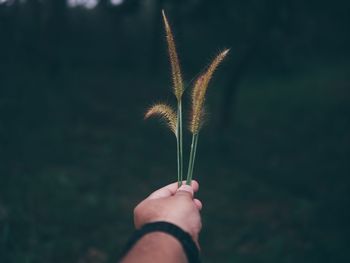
{"x": 178, "y": 89}
{"x": 198, "y": 99}
{"x": 166, "y": 113}
{"x": 173, "y": 118}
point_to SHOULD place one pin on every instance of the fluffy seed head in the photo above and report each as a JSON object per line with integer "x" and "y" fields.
{"x": 199, "y": 91}
{"x": 165, "y": 112}
{"x": 174, "y": 60}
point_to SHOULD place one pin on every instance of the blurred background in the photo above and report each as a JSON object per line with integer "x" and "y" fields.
{"x": 76, "y": 155}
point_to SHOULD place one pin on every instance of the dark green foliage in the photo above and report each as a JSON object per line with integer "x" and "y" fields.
{"x": 76, "y": 155}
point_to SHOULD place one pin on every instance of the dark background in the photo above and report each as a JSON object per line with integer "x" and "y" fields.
{"x": 76, "y": 156}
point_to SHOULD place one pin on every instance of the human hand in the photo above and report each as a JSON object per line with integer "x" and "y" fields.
{"x": 173, "y": 205}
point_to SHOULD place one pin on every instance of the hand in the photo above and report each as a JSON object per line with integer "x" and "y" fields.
{"x": 173, "y": 205}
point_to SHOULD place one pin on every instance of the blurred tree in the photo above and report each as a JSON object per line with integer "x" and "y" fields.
{"x": 55, "y": 31}
{"x": 157, "y": 35}
{"x": 259, "y": 32}
{"x": 176, "y": 11}
{"x": 264, "y": 32}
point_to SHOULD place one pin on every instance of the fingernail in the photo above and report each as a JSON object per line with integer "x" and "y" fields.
{"x": 185, "y": 188}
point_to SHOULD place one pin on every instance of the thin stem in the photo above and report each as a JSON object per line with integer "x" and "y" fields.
{"x": 180, "y": 136}
{"x": 178, "y": 161}
{"x": 192, "y": 158}
{"x": 179, "y": 144}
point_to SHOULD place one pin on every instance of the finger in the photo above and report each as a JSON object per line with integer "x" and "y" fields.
{"x": 197, "y": 244}
{"x": 165, "y": 191}
{"x": 185, "y": 190}
{"x": 194, "y": 185}
{"x": 198, "y": 204}
{"x": 170, "y": 190}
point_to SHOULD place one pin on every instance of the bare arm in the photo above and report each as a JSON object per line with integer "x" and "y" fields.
{"x": 156, "y": 247}
{"x": 172, "y": 205}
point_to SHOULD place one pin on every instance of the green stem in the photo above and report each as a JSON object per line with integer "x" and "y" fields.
{"x": 179, "y": 144}
{"x": 192, "y": 158}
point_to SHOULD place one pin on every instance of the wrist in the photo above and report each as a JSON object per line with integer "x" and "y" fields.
{"x": 187, "y": 229}
{"x": 156, "y": 247}
{"x": 174, "y": 233}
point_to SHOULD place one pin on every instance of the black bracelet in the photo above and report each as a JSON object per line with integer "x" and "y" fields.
{"x": 183, "y": 237}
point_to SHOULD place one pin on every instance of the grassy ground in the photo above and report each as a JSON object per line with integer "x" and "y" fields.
{"x": 77, "y": 157}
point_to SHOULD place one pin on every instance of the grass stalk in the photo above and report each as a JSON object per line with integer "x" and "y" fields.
{"x": 192, "y": 158}
{"x": 179, "y": 143}
{"x": 174, "y": 119}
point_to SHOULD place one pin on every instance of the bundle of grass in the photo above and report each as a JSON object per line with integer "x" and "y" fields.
{"x": 174, "y": 118}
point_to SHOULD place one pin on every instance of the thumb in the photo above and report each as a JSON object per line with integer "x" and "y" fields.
{"x": 185, "y": 190}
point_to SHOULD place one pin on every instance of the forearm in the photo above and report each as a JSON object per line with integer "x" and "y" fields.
{"x": 156, "y": 247}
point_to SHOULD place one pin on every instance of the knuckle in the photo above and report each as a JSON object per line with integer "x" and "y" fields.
{"x": 137, "y": 210}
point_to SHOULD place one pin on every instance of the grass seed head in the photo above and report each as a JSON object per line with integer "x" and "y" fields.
{"x": 165, "y": 112}
{"x": 199, "y": 92}
{"x": 174, "y": 60}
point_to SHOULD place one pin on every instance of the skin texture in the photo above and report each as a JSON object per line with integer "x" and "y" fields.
{"x": 172, "y": 205}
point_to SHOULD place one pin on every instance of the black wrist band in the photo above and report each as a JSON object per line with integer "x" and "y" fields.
{"x": 183, "y": 237}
